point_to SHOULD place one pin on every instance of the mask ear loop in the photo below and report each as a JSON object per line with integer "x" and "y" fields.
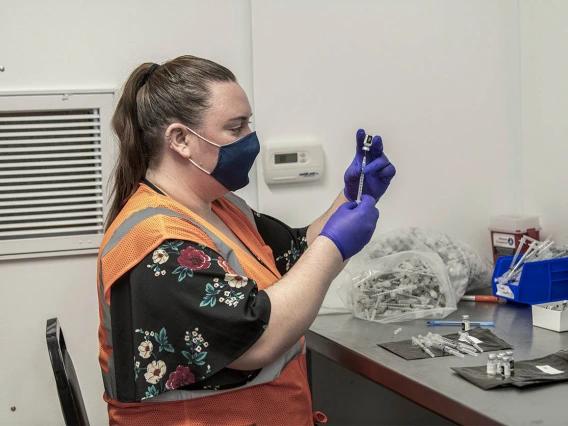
{"x": 169, "y": 138}
{"x": 212, "y": 143}
{"x": 201, "y": 137}
{"x": 206, "y": 140}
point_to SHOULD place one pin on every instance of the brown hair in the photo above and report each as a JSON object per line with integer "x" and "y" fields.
{"x": 154, "y": 97}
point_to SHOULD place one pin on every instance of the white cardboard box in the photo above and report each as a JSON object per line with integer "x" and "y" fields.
{"x": 550, "y": 319}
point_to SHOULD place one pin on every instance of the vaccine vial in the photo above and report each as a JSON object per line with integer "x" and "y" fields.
{"x": 500, "y": 366}
{"x": 465, "y": 323}
{"x": 511, "y": 361}
{"x": 506, "y": 367}
{"x": 491, "y": 365}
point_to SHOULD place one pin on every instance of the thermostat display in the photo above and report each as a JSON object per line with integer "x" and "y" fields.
{"x": 292, "y": 162}
{"x": 286, "y": 158}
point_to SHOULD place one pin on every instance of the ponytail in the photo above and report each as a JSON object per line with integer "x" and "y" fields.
{"x": 132, "y": 160}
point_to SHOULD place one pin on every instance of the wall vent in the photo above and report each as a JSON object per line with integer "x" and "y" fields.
{"x": 53, "y": 155}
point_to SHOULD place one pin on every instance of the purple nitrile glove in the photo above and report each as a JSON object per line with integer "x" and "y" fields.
{"x": 351, "y": 226}
{"x": 378, "y": 172}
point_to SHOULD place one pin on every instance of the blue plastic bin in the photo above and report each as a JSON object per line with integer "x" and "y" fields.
{"x": 540, "y": 282}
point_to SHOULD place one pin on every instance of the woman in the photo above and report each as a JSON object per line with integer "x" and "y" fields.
{"x": 204, "y": 302}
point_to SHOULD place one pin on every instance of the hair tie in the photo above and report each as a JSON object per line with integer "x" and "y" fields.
{"x": 149, "y": 73}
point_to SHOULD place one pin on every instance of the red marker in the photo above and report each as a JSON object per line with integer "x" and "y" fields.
{"x": 480, "y": 298}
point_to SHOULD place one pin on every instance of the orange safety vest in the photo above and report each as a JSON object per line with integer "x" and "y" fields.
{"x": 279, "y": 395}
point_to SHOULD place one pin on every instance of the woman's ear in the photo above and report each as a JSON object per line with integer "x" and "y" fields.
{"x": 177, "y": 138}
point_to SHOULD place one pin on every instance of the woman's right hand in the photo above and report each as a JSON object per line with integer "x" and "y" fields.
{"x": 352, "y": 226}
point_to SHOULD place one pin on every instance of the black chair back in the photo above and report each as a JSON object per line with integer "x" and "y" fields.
{"x": 68, "y": 388}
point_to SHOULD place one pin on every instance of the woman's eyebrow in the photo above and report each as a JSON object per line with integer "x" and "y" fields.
{"x": 240, "y": 118}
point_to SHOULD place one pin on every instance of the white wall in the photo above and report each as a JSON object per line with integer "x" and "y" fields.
{"x": 544, "y": 64}
{"x": 84, "y": 45}
{"x": 438, "y": 79}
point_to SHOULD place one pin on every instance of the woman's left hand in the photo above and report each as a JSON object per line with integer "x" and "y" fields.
{"x": 378, "y": 172}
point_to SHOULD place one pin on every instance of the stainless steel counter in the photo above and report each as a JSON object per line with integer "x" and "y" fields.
{"x": 352, "y": 343}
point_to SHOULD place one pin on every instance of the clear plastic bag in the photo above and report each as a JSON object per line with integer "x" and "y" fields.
{"x": 333, "y": 303}
{"x": 467, "y": 270}
{"x": 399, "y": 287}
{"x": 453, "y": 268}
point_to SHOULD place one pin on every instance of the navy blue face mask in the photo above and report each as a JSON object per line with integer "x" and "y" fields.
{"x": 234, "y": 161}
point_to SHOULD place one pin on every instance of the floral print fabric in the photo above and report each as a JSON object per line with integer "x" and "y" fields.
{"x": 287, "y": 244}
{"x": 192, "y": 316}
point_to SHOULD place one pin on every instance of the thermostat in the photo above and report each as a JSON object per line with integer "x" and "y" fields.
{"x": 292, "y": 162}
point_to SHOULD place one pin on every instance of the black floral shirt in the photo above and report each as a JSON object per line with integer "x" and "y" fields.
{"x": 182, "y": 315}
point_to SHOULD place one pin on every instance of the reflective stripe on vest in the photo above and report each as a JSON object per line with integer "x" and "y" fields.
{"x": 267, "y": 374}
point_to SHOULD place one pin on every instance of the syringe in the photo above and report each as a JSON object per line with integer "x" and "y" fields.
{"x": 417, "y": 342}
{"x": 470, "y": 341}
{"x": 452, "y": 344}
{"x": 366, "y": 148}
{"x": 443, "y": 347}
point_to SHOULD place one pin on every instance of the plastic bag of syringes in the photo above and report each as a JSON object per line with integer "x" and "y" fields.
{"x": 400, "y": 287}
{"x": 466, "y": 268}
{"x": 436, "y": 259}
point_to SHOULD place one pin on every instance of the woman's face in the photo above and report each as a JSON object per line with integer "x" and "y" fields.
{"x": 226, "y": 120}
